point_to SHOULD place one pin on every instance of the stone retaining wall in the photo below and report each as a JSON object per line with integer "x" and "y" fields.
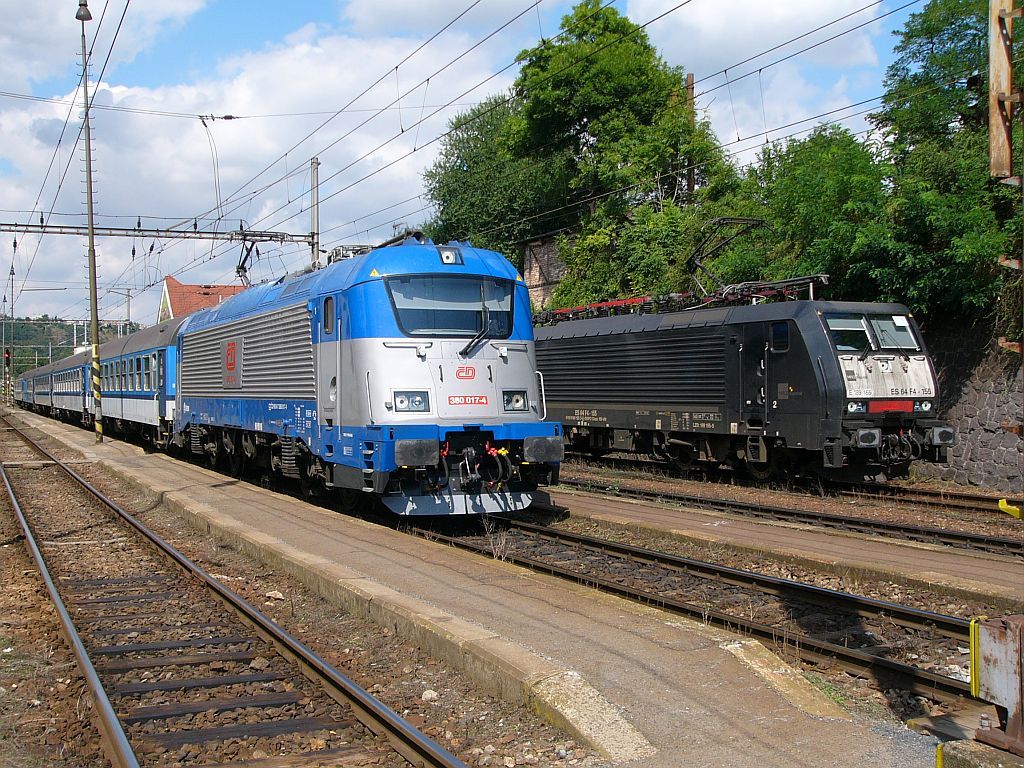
{"x": 982, "y": 390}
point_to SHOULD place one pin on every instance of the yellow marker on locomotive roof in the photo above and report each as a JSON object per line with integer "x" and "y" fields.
{"x": 374, "y": 272}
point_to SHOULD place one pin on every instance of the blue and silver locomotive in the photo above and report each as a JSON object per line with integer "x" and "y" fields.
{"x": 407, "y": 372}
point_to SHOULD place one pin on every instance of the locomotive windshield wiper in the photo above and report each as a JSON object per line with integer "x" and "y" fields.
{"x": 883, "y": 333}
{"x": 485, "y": 324}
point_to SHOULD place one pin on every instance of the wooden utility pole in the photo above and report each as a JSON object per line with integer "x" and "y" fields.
{"x": 691, "y": 176}
{"x": 1002, "y": 96}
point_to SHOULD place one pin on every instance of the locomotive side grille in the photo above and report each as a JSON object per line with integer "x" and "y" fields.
{"x": 657, "y": 368}
{"x": 276, "y": 353}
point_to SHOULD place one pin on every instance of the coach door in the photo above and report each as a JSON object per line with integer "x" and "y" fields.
{"x": 161, "y": 382}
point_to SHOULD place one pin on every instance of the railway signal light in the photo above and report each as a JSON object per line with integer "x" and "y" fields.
{"x": 7, "y": 357}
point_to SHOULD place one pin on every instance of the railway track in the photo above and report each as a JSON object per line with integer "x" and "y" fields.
{"x": 862, "y": 635}
{"x": 932, "y": 497}
{"x": 181, "y": 669}
{"x": 957, "y": 501}
{"x": 1000, "y": 545}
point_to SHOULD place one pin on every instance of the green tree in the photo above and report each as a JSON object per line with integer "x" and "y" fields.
{"x": 598, "y": 128}
{"x": 937, "y": 85}
{"x": 823, "y": 197}
{"x": 947, "y": 219}
{"x": 485, "y": 193}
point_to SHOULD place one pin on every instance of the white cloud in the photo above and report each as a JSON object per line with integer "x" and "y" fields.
{"x": 40, "y": 40}
{"x": 742, "y": 101}
{"x": 706, "y": 38}
{"x": 149, "y": 165}
{"x": 157, "y": 166}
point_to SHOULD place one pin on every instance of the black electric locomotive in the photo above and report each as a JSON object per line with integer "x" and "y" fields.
{"x": 791, "y": 386}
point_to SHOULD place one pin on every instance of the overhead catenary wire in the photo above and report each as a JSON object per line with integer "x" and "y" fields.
{"x": 847, "y": 31}
{"x": 355, "y": 98}
{"x": 85, "y": 74}
{"x": 733, "y": 154}
{"x": 406, "y": 155}
{"x": 248, "y": 198}
{"x": 730, "y": 82}
{"x": 774, "y": 48}
{"x": 192, "y": 115}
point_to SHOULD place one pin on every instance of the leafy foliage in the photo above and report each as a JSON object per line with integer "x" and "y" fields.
{"x": 484, "y": 192}
{"x": 596, "y": 140}
{"x": 36, "y": 340}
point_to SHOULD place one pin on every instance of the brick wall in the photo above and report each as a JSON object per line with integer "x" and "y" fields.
{"x": 542, "y": 269}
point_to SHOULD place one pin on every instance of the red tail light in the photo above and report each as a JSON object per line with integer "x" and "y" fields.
{"x": 886, "y": 406}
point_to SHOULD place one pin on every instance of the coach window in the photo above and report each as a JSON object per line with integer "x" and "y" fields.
{"x": 149, "y": 373}
{"x": 328, "y": 318}
{"x": 780, "y": 337}
{"x": 138, "y": 374}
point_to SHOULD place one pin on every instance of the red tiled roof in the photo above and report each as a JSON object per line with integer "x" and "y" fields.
{"x": 185, "y": 299}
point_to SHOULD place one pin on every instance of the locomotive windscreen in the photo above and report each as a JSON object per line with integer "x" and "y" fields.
{"x": 428, "y": 305}
{"x": 855, "y": 332}
{"x": 662, "y": 367}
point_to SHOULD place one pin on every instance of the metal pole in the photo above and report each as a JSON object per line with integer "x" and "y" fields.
{"x": 314, "y": 210}
{"x": 691, "y": 178}
{"x": 13, "y": 348}
{"x": 83, "y": 15}
{"x": 3, "y": 332}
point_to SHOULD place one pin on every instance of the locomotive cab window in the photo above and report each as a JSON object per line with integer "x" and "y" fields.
{"x": 466, "y": 306}
{"x": 327, "y": 321}
{"x": 780, "y": 337}
{"x": 849, "y": 332}
{"x": 893, "y": 332}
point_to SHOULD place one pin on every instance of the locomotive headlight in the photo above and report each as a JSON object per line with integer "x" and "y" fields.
{"x": 418, "y": 402}
{"x": 856, "y": 407}
{"x": 923, "y": 406}
{"x": 515, "y": 400}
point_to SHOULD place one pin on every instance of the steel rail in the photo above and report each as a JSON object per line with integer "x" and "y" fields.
{"x": 1000, "y": 545}
{"x": 919, "y": 681}
{"x": 904, "y": 615}
{"x": 115, "y": 740}
{"x": 933, "y": 497}
{"x": 407, "y": 740}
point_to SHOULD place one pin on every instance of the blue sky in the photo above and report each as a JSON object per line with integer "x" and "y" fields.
{"x": 224, "y": 56}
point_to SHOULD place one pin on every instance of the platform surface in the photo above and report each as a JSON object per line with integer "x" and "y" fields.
{"x": 697, "y": 702}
